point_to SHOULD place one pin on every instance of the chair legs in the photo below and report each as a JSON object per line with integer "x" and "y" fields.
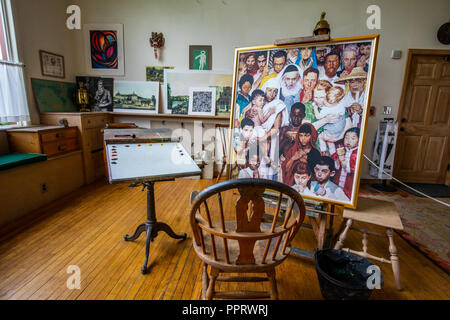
{"x": 205, "y": 280}
{"x": 209, "y": 283}
{"x": 212, "y": 283}
{"x": 273, "y": 284}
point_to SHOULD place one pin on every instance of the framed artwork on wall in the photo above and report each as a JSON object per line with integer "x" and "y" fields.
{"x": 300, "y": 114}
{"x": 104, "y": 49}
{"x": 156, "y": 73}
{"x": 52, "y": 64}
{"x": 202, "y": 101}
{"x": 136, "y": 96}
{"x": 200, "y": 57}
{"x": 175, "y": 91}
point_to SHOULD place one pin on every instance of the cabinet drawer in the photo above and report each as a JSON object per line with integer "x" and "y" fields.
{"x": 95, "y": 122}
{"x": 61, "y": 146}
{"x": 59, "y": 135}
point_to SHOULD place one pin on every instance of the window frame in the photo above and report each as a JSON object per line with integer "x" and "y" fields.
{"x": 8, "y": 32}
{"x": 3, "y": 46}
{"x": 9, "y": 46}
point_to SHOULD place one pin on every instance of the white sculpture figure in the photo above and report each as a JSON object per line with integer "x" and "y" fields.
{"x": 202, "y": 60}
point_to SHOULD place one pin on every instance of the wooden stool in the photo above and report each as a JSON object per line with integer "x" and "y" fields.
{"x": 381, "y": 213}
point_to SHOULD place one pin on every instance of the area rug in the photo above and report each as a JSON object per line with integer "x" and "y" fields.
{"x": 426, "y": 225}
{"x": 432, "y": 190}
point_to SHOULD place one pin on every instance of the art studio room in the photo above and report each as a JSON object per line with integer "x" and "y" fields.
{"x": 224, "y": 150}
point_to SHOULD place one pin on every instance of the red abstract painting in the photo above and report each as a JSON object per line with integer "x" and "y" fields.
{"x": 104, "y": 50}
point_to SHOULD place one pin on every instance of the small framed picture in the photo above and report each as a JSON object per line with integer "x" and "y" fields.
{"x": 202, "y": 101}
{"x": 52, "y": 65}
{"x": 200, "y": 57}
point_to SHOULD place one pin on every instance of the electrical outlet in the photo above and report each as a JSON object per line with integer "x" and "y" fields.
{"x": 387, "y": 110}
{"x": 44, "y": 187}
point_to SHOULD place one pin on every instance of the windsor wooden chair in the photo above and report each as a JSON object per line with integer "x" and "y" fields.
{"x": 231, "y": 237}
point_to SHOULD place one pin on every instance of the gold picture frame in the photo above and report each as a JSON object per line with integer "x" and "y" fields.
{"x": 323, "y": 92}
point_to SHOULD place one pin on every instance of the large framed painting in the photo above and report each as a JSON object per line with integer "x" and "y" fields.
{"x": 136, "y": 96}
{"x": 177, "y": 84}
{"x": 300, "y": 114}
{"x": 104, "y": 49}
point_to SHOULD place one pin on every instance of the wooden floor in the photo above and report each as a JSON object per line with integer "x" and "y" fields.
{"x": 87, "y": 228}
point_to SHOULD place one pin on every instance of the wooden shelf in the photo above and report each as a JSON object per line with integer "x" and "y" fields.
{"x": 156, "y": 116}
{"x": 170, "y": 116}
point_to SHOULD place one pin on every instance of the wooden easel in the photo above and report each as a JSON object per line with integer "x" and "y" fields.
{"x": 321, "y": 217}
{"x": 300, "y": 40}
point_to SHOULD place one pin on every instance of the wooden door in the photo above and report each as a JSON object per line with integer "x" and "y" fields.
{"x": 424, "y": 118}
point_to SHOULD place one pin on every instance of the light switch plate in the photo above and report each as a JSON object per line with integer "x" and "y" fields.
{"x": 396, "y": 54}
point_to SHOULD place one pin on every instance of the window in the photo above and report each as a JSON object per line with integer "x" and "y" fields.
{"x": 3, "y": 54}
{"x": 13, "y": 100}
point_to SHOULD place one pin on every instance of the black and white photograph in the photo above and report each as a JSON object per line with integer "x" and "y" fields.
{"x": 202, "y": 101}
{"x": 101, "y": 90}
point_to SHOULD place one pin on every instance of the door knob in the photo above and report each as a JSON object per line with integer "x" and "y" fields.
{"x": 402, "y": 129}
{"x": 403, "y": 120}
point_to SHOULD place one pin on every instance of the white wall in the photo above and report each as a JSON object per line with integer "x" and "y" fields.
{"x": 40, "y": 25}
{"x": 227, "y": 24}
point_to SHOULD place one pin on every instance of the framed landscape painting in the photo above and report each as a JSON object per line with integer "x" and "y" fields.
{"x": 177, "y": 83}
{"x": 104, "y": 49}
{"x": 300, "y": 114}
{"x": 136, "y": 96}
{"x": 156, "y": 73}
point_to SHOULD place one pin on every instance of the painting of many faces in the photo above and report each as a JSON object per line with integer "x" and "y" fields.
{"x": 300, "y": 113}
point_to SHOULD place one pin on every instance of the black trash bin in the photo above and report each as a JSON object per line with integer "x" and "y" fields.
{"x": 342, "y": 275}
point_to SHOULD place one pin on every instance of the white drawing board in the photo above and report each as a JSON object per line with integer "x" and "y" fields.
{"x": 148, "y": 161}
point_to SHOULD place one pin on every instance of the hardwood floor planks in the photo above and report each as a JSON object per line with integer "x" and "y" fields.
{"x": 87, "y": 230}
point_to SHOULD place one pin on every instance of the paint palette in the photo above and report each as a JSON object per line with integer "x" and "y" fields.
{"x": 145, "y": 161}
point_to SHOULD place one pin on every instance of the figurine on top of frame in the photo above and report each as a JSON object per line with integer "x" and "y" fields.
{"x": 299, "y": 116}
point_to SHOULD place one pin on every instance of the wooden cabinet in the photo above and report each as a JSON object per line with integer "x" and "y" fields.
{"x": 89, "y": 125}
{"x": 49, "y": 140}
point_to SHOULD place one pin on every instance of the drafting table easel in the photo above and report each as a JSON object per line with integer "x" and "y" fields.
{"x": 145, "y": 156}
